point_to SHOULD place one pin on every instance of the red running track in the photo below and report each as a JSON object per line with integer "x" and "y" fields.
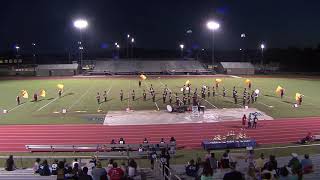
{"x": 13, "y": 138}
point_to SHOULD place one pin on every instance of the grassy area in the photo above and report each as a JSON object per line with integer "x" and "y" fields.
{"x": 182, "y": 156}
{"x": 80, "y": 97}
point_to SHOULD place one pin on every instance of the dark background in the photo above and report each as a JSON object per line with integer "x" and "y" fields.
{"x": 289, "y": 28}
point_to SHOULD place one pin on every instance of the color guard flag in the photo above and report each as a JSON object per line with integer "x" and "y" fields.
{"x": 247, "y": 81}
{"x": 279, "y": 89}
{"x": 24, "y": 94}
{"x": 43, "y": 93}
{"x": 298, "y": 96}
{"x": 218, "y": 80}
{"x": 187, "y": 82}
{"x": 143, "y": 77}
{"x": 60, "y": 86}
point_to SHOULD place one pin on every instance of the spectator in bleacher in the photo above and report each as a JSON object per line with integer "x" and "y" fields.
{"x": 152, "y": 157}
{"x": 284, "y": 173}
{"x": 110, "y": 165}
{"x": 61, "y": 171}
{"x": 121, "y": 141}
{"x": 44, "y": 169}
{"x": 132, "y": 168}
{"x": 294, "y": 164}
{"x": 54, "y": 167}
{"x": 76, "y": 171}
{"x": 213, "y": 161}
{"x": 207, "y": 172}
{"x": 113, "y": 141}
{"x": 271, "y": 163}
{"x": 10, "y": 166}
{"x": 98, "y": 172}
{"x": 115, "y": 173}
{"x": 191, "y": 169}
{"x": 92, "y": 164}
{"x": 224, "y": 162}
{"x": 259, "y": 163}
{"x": 172, "y": 140}
{"x": 68, "y": 173}
{"x": 84, "y": 175}
{"x": 306, "y": 164}
{"x": 74, "y": 162}
{"x": 145, "y": 141}
{"x": 234, "y": 174}
{"x": 162, "y": 141}
{"x": 36, "y": 166}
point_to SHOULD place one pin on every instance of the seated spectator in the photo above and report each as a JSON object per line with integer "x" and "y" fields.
{"x": 44, "y": 169}
{"x": 61, "y": 171}
{"x": 191, "y": 169}
{"x": 54, "y": 167}
{"x": 224, "y": 162}
{"x": 84, "y": 175}
{"x": 132, "y": 168}
{"x": 234, "y": 174}
{"x": 10, "y": 166}
{"x": 284, "y": 174}
{"x": 294, "y": 164}
{"x": 306, "y": 164}
{"x": 140, "y": 148}
{"x": 213, "y": 161}
{"x": 207, "y": 172}
{"x": 153, "y": 157}
{"x": 121, "y": 141}
{"x": 259, "y": 163}
{"x": 162, "y": 141}
{"x": 76, "y": 171}
{"x": 110, "y": 165}
{"x": 115, "y": 173}
{"x": 272, "y": 163}
{"x": 145, "y": 141}
{"x": 269, "y": 173}
{"x": 113, "y": 141}
{"x": 74, "y": 162}
{"x": 36, "y": 166}
{"x": 98, "y": 172}
{"x": 68, "y": 173}
{"x": 172, "y": 140}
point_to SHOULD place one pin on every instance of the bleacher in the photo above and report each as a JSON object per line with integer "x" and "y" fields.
{"x": 23, "y": 174}
{"x": 123, "y": 67}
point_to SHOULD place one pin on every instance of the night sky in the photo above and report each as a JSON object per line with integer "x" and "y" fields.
{"x": 159, "y": 23}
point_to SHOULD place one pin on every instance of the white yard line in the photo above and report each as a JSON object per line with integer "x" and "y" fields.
{"x": 17, "y": 106}
{"x": 79, "y": 99}
{"x": 266, "y": 105}
{"x": 49, "y": 103}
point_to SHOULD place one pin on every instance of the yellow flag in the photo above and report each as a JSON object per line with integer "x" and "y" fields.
{"x": 279, "y": 88}
{"x": 247, "y": 81}
{"x": 187, "y": 82}
{"x": 60, "y": 86}
{"x": 24, "y": 94}
{"x": 298, "y": 96}
{"x": 143, "y": 77}
{"x": 218, "y": 80}
{"x": 43, "y": 93}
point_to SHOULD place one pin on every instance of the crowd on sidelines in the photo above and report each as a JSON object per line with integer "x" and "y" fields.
{"x": 258, "y": 169}
{"x": 73, "y": 171}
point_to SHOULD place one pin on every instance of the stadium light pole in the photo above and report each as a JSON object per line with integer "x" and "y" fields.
{"x": 80, "y": 24}
{"x": 243, "y": 49}
{"x": 181, "y": 47}
{"x": 262, "y": 46}
{"x": 128, "y": 38}
{"x": 213, "y": 26}
{"x": 118, "y": 50}
{"x": 34, "y": 52}
{"x": 132, "y": 43}
{"x": 17, "y": 47}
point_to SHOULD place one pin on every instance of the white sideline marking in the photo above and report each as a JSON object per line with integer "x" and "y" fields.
{"x": 49, "y": 102}
{"x": 238, "y": 77}
{"x": 78, "y": 100}
{"x": 17, "y": 107}
{"x": 265, "y": 105}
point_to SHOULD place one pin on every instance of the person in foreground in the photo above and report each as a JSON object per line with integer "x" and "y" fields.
{"x": 84, "y": 175}
{"x": 207, "y": 172}
{"x": 10, "y": 166}
{"x": 234, "y": 174}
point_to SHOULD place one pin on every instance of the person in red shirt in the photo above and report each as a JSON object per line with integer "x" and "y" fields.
{"x": 115, "y": 173}
{"x": 244, "y": 120}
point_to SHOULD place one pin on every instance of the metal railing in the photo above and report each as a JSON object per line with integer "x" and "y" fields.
{"x": 164, "y": 172}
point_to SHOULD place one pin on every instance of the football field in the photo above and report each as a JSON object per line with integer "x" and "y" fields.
{"x": 79, "y": 97}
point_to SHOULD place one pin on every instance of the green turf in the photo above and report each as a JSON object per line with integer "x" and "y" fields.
{"x": 80, "y": 95}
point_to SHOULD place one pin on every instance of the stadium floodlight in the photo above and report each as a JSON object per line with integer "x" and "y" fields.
{"x": 212, "y": 25}
{"x": 128, "y": 35}
{"x": 80, "y": 24}
{"x": 132, "y": 40}
{"x": 243, "y": 35}
{"x": 118, "y": 46}
{"x": 262, "y": 46}
{"x": 33, "y": 44}
{"x": 17, "y": 47}
{"x": 181, "y": 47}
